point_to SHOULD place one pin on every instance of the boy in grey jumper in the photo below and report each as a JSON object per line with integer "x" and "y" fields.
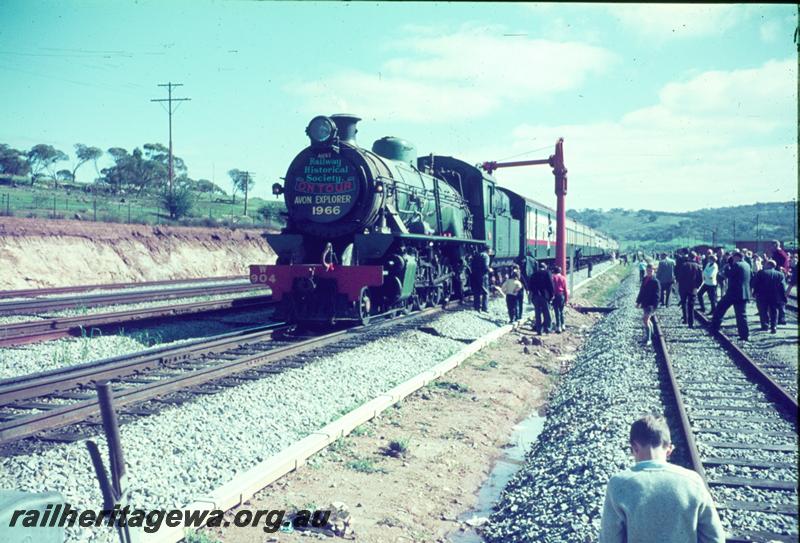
{"x": 655, "y": 500}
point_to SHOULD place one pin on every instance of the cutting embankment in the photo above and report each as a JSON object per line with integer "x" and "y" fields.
{"x": 49, "y": 253}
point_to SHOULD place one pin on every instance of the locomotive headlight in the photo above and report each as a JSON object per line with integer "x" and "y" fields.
{"x": 378, "y": 186}
{"x": 321, "y": 130}
{"x": 277, "y": 189}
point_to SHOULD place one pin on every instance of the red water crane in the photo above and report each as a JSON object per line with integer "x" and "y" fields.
{"x": 556, "y": 161}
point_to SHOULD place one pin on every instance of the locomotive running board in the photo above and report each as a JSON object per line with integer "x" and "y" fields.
{"x": 375, "y": 245}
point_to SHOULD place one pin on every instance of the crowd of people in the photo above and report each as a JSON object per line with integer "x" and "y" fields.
{"x": 725, "y": 279}
{"x": 544, "y": 288}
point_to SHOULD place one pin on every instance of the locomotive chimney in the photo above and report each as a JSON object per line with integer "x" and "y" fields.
{"x": 346, "y": 125}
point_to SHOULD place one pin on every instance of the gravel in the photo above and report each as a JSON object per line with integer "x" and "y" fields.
{"x": 144, "y": 288}
{"x": 189, "y": 450}
{"x": 80, "y": 311}
{"x": 15, "y": 361}
{"x": 696, "y": 356}
{"x": 557, "y": 496}
{"x": 48, "y": 355}
{"x": 186, "y": 451}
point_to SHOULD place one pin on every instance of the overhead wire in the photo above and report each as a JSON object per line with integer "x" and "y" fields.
{"x": 525, "y": 153}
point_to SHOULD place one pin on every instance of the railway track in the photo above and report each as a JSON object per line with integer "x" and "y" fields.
{"x": 780, "y": 377}
{"x": 42, "y": 404}
{"x": 35, "y": 306}
{"x": 38, "y": 292}
{"x": 791, "y": 305}
{"x": 54, "y": 328}
{"x": 740, "y": 427}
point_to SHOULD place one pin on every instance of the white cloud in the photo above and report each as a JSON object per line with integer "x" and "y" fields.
{"x": 720, "y": 138}
{"x": 469, "y": 73}
{"x": 660, "y": 21}
{"x": 769, "y": 31}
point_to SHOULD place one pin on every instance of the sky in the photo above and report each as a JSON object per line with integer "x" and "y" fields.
{"x": 670, "y": 107}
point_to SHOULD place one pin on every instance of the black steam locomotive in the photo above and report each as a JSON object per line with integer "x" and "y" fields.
{"x": 381, "y": 231}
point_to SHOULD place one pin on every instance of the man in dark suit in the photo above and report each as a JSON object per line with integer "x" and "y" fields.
{"x": 530, "y": 265}
{"x": 648, "y": 298}
{"x": 770, "y": 291}
{"x": 479, "y": 279}
{"x": 737, "y": 295}
{"x": 541, "y": 289}
{"x": 690, "y": 277}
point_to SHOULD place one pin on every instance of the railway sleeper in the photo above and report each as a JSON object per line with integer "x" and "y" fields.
{"x": 747, "y": 536}
{"x": 751, "y": 431}
{"x": 723, "y": 461}
{"x": 759, "y": 507}
{"x": 768, "y": 484}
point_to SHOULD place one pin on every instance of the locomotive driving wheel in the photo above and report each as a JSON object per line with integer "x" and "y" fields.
{"x": 434, "y": 296}
{"x": 364, "y": 306}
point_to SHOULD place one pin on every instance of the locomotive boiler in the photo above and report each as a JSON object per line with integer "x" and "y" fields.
{"x": 368, "y": 231}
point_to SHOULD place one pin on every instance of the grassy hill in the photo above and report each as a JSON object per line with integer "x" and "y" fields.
{"x": 43, "y": 200}
{"x": 648, "y": 230}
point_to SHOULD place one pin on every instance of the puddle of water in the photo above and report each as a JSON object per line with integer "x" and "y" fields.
{"x": 524, "y": 435}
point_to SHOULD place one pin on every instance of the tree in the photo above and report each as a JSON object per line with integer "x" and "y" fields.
{"x": 234, "y": 175}
{"x": 84, "y": 154}
{"x": 179, "y": 202}
{"x": 13, "y": 161}
{"x": 242, "y": 181}
{"x": 207, "y": 187}
{"x": 65, "y": 176}
{"x": 42, "y": 158}
{"x": 134, "y": 171}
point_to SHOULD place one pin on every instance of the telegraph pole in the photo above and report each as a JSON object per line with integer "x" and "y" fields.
{"x": 170, "y": 111}
{"x": 758, "y": 234}
{"x": 246, "y": 183}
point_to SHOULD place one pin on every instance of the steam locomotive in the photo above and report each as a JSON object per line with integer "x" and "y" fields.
{"x": 382, "y": 231}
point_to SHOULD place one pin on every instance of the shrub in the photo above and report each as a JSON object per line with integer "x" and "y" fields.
{"x": 178, "y": 203}
{"x": 397, "y": 448}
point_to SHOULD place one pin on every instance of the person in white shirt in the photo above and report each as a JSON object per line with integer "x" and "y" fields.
{"x": 655, "y": 500}
{"x": 709, "y": 284}
{"x": 511, "y": 287}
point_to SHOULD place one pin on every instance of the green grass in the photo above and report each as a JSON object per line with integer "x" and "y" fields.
{"x": 600, "y": 290}
{"x": 363, "y": 430}
{"x": 365, "y": 465}
{"x": 200, "y": 537}
{"x": 488, "y": 365}
{"x": 41, "y": 201}
{"x": 451, "y": 387}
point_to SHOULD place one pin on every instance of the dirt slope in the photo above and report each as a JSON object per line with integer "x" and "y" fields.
{"x": 46, "y": 253}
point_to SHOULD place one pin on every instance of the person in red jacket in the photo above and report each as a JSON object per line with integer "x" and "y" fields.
{"x": 560, "y": 296}
{"x": 781, "y": 264}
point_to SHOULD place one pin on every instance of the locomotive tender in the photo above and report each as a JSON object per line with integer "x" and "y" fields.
{"x": 381, "y": 231}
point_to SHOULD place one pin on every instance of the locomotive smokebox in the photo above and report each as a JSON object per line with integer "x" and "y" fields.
{"x": 346, "y": 125}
